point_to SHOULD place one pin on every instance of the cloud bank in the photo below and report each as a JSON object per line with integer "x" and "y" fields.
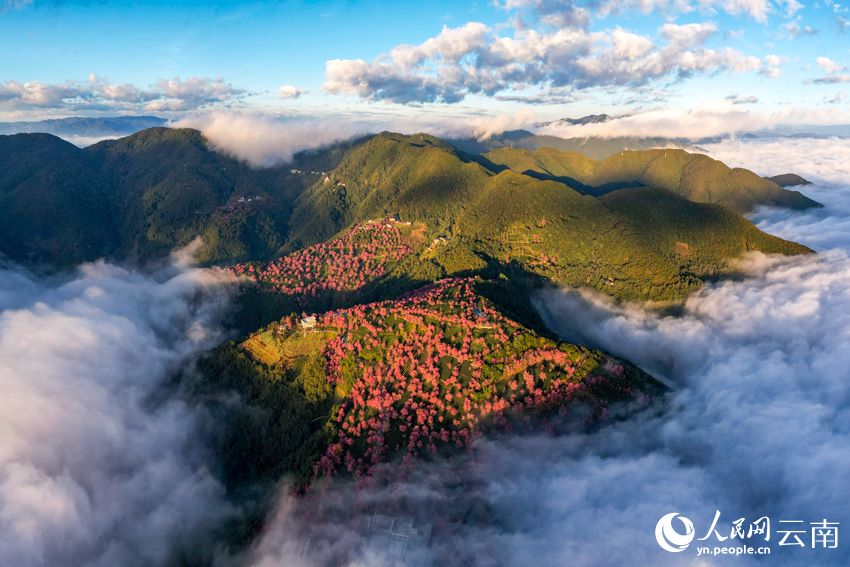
{"x": 97, "y": 465}
{"x": 705, "y": 119}
{"x": 477, "y": 59}
{"x": 97, "y": 94}
{"x": 265, "y": 140}
{"x": 756, "y": 423}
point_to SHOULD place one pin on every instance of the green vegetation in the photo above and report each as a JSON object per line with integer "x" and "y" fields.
{"x": 633, "y": 244}
{"x": 694, "y": 176}
{"x": 592, "y": 147}
{"x": 139, "y": 197}
{"x": 550, "y": 214}
{"x": 346, "y": 389}
{"x": 390, "y": 364}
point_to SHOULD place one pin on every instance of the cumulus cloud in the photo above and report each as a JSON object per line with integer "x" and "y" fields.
{"x": 289, "y": 91}
{"x": 98, "y": 94}
{"x": 756, "y": 424}
{"x": 477, "y": 59}
{"x": 828, "y": 65}
{"x": 834, "y": 72}
{"x": 97, "y": 466}
{"x": 794, "y": 29}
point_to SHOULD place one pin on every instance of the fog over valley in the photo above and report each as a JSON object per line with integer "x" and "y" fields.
{"x": 425, "y": 284}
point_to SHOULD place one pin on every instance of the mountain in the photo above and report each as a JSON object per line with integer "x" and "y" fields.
{"x": 137, "y": 198}
{"x": 589, "y": 119}
{"x": 642, "y": 243}
{"x": 789, "y": 180}
{"x": 386, "y": 309}
{"x": 55, "y": 205}
{"x": 543, "y": 216}
{"x": 346, "y": 390}
{"x": 169, "y": 187}
{"x": 592, "y": 147}
{"x": 85, "y": 128}
{"x": 694, "y": 176}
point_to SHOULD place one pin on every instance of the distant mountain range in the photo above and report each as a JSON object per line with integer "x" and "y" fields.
{"x": 85, "y": 128}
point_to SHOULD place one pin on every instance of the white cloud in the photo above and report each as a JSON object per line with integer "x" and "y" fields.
{"x": 492, "y": 126}
{"x": 822, "y": 161}
{"x": 174, "y": 94}
{"x": 289, "y": 91}
{"x": 737, "y": 99}
{"x": 828, "y": 65}
{"x": 262, "y": 140}
{"x": 833, "y": 72}
{"x": 476, "y": 59}
{"x": 578, "y": 13}
{"x": 705, "y": 119}
{"x": 95, "y": 468}
{"x": 266, "y": 140}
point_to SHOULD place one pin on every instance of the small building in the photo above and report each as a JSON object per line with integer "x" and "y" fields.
{"x": 308, "y": 322}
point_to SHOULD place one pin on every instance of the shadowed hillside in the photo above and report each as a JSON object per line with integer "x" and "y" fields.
{"x": 694, "y": 176}
{"x": 646, "y": 244}
{"x": 544, "y": 216}
{"x": 592, "y": 147}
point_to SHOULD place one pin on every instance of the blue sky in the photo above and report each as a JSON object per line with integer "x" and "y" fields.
{"x": 540, "y": 58}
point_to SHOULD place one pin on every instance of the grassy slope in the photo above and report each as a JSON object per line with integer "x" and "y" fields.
{"x": 626, "y": 243}
{"x": 694, "y": 176}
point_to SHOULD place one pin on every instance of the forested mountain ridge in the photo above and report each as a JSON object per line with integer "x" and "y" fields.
{"x": 694, "y": 176}
{"x": 551, "y": 215}
{"x": 637, "y": 243}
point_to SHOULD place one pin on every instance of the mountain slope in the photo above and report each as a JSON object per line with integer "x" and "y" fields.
{"x": 139, "y": 197}
{"x": 170, "y": 187}
{"x": 481, "y": 221}
{"x": 592, "y": 147}
{"x": 55, "y": 206}
{"x": 85, "y": 127}
{"x": 694, "y": 176}
{"x": 348, "y": 389}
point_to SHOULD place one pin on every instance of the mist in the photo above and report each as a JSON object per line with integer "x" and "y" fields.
{"x": 100, "y": 464}
{"x": 263, "y": 140}
{"x": 757, "y": 422}
{"x": 704, "y": 119}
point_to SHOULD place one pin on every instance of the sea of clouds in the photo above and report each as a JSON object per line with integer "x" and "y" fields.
{"x": 757, "y": 422}
{"x": 99, "y": 463}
